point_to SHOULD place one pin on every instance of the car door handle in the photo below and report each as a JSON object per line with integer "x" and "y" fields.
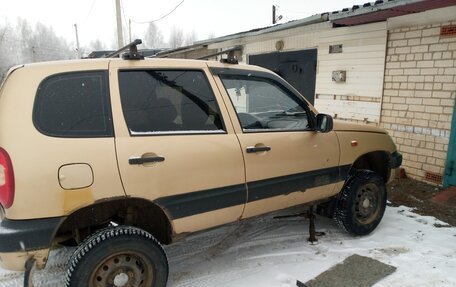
{"x": 253, "y": 149}
{"x": 141, "y": 160}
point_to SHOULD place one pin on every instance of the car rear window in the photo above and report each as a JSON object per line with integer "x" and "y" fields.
{"x": 74, "y": 105}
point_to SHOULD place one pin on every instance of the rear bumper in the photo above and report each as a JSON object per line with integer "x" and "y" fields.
{"x": 22, "y": 239}
{"x": 15, "y": 261}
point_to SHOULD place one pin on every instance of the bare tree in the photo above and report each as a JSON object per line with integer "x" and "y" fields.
{"x": 153, "y": 38}
{"x": 25, "y": 34}
{"x": 96, "y": 45}
{"x": 48, "y": 46}
{"x": 190, "y": 38}
{"x": 176, "y": 38}
{"x": 41, "y": 43}
{"x": 23, "y": 43}
{"x": 5, "y": 57}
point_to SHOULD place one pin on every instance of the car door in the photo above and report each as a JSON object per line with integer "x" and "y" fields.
{"x": 173, "y": 146}
{"x": 287, "y": 162}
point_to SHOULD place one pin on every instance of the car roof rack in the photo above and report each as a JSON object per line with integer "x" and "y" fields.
{"x": 132, "y": 53}
{"x": 230, "y": 59}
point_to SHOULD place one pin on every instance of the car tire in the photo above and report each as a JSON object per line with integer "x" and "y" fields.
{"x": 118, "y": 256}
{"x": 361, "y": 203}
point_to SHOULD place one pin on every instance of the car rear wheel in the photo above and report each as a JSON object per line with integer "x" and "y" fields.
{"x": 118, "y": 256}
{"x": 362, "y": 203}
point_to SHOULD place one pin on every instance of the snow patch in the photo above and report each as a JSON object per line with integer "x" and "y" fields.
{"x": 275, "y": 252}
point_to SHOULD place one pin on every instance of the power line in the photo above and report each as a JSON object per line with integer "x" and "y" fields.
{"x": 90, "y": 10}
{"x": 123, "y": 11}
{"x": 126, "y": 22}
{"x": 166, "y": 15}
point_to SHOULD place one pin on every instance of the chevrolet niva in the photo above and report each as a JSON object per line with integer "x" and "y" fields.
{"x": 120, "y": 156}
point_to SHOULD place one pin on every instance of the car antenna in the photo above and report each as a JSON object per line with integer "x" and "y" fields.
{"x": 132, "y": 54}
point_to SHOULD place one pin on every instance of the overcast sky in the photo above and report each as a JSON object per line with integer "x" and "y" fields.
{"x": 96, "y": 18}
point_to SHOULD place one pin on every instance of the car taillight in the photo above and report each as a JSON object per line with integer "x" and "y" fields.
{"x": 6, "y": 179}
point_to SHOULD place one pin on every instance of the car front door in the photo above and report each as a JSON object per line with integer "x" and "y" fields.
{"x": 287, "y": 161}
{"x": 173, "y": 146}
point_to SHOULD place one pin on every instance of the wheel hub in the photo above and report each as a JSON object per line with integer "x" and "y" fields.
{"x": 367, "y": 203}
{"x": 121, "y": 270}
{"x": 121, "y": 279}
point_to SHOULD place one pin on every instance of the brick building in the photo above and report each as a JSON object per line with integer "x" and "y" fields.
{"x": 418, "y": 96}
{"x": 399, "y": 62}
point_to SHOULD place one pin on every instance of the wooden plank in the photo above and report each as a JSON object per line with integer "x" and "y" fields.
{"x": 360, "y": 75}
{"x": 354, "y": 30}
{"x": 355, "y": 47}
{"x": 355, "y": 106}
{"x": 359, "y": 55}
{"x": 346, "y": 87}
{"x": 353, "y": 62}
{"x": 350, "y": 109}
{"x": 360, "y": 69}
{"x": 344, "y": 37}
{"x": 350, "y": 92}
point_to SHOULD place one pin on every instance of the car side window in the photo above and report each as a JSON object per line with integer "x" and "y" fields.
{"x": 264, "y": 105}
{"x": 168, "y": 101}
{"x": 74, "y": 105}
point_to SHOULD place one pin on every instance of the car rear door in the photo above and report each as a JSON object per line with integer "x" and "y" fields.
{"x": 287, "y": 162}
{"x": 174, "y": 145}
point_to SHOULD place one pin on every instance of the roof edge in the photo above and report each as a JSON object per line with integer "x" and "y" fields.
{"x": 317, "y": 18}
{"x": 370, "y": 9}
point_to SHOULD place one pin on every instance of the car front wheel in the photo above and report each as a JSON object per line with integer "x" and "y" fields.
{"x": 362, "y": 203}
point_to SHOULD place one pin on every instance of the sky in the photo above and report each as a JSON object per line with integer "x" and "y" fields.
{"x": 96, "y": 18}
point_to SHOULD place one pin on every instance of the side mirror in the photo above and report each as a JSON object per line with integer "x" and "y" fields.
{"x": 324, "y": 123}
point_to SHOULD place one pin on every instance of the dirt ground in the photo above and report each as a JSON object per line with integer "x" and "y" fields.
{"x": 418, "y": 195}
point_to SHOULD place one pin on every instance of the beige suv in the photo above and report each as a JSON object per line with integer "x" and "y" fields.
{"x": 120, "y": 156}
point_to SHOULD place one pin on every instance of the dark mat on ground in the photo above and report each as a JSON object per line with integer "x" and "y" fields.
{"x": 354, "y": 271}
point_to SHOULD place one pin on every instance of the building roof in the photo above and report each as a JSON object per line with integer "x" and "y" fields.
{"x": 381, "y": 10}
{"x": 369, "y": 12}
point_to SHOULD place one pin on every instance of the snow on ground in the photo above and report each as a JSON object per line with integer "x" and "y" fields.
{"x": 275, "y": 252}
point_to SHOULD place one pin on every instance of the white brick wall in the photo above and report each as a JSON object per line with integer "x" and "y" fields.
{"x": 419, "y": 96}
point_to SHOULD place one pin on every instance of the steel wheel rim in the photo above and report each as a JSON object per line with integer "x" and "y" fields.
{"x": 367, "y": 203}
{"x": 123, "y": 269}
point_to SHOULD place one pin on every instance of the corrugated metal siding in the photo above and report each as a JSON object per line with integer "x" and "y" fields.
{"x": 294, "y": 39}
{"x": 363, "y": 58}
{"x": 297, "y": 41}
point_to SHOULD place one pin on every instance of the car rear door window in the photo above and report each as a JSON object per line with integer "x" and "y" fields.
{"x": 168, "y": 101}
{"x": 74, "y": 105}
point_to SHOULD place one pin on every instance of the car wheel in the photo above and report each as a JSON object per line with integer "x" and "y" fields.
{"x": 118, "y": 256}
{"x": 362, "y": 203}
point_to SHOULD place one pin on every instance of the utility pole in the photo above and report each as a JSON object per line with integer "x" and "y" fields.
{"x": 120, "y": 41}
{"x": 129, "y": 30}
{"x": 273, "y": 14}
{"x": 275, "y": 18}
{"x": 78, "y": 50}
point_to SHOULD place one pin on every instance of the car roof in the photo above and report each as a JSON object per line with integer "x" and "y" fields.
{"x": 187, "y": 63}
